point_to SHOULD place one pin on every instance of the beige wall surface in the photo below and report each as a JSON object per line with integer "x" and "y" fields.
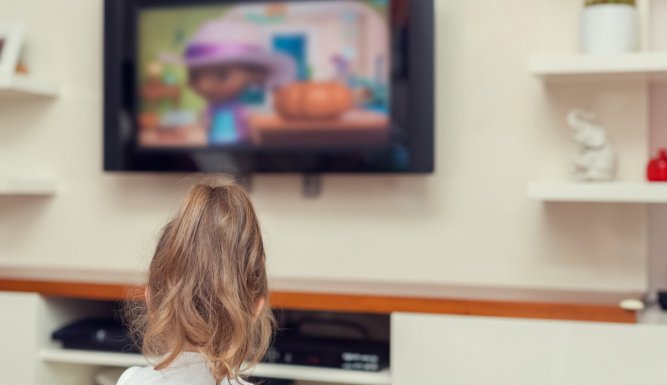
{"x": 469, "y": 223}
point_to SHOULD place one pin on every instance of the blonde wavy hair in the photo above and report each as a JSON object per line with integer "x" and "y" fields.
{"x": 207, "y": 286}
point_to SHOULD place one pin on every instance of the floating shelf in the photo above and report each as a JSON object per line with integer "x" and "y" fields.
{"x": 619, "y": 192}
{"x": 27, "y": 186}
{"x": 303, "y": 373}
{"x": 641, "y": 65}
{"x": 20, "y": 86}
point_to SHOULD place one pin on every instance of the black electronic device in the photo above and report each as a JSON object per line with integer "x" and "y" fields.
{"x": 102, "y": 334}
{"x": 332, "y": 343}
{"x": 269, "y": 86}
{"x": 293, "y": 349}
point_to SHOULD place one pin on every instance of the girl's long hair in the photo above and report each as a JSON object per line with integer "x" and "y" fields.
{"x": 206, "y": 284}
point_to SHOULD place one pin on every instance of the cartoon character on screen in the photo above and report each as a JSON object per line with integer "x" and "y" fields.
{"x": 225, "y": 59}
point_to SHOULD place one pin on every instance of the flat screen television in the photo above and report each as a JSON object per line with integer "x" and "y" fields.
{"x": 244, "y": 86}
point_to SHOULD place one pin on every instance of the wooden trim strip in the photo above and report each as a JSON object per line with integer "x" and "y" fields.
{"x": 81, "y": 290}
{"x": 352, "y": 303}
{"x": 382, "y": 304}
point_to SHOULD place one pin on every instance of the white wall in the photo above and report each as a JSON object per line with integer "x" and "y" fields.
{"x": 469, "y": 223}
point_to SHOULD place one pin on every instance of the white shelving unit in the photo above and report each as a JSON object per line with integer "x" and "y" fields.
{"x": 27, "y": 186}
{"x": 650, "y": 66}
{"x": 616, "y": 192}
{"x": 338, "y": 376}
{"x": 303, "y": 373}
{"x": 23, "y": 86}
{"x": 85, "y": 357}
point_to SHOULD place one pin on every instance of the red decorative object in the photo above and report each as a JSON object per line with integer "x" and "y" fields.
{"x": 657, "y": 167}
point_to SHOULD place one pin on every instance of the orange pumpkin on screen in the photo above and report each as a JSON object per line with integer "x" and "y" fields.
{"x": 313, "y": 101}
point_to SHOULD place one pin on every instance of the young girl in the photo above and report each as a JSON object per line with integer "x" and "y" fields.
{"x": 206, "y": 311}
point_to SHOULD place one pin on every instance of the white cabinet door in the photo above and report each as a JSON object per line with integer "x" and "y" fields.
{"x": 459, "y": 350}
{"x": 18, "y": 338}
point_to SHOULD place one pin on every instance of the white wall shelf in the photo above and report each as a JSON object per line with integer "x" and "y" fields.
{"x": 616, "y": 192}
{"x": 22, "y": 87}
{"x": 27, "y": 186}
{"x": 303, "y": 373}
{"x": 650, "y": 66}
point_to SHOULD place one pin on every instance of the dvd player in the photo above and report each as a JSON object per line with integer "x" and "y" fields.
{"x": 352, "y": 354}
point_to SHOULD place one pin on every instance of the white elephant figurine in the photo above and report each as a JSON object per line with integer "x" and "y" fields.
{"x": 596, "y": 160}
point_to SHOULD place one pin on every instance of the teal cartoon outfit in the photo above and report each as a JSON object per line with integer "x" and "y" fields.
{"x": 227, "y": 124}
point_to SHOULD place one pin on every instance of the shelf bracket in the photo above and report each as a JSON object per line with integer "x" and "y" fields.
{"x": 312, "y": 185}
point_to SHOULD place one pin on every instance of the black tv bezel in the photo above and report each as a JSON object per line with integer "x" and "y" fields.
{"x": 416, "y": 102}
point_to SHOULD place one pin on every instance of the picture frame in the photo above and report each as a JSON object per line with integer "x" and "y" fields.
{"x": 11, "y": 42}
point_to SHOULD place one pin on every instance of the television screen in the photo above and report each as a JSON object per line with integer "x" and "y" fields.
{"x": 265, "y": 75}
{"x": 243, "y": 86}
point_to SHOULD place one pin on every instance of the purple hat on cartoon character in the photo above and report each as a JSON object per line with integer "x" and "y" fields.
{"x": 232, "y": 42}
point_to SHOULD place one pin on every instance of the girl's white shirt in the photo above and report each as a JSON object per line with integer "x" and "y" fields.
{"x": 188, "y": 369}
